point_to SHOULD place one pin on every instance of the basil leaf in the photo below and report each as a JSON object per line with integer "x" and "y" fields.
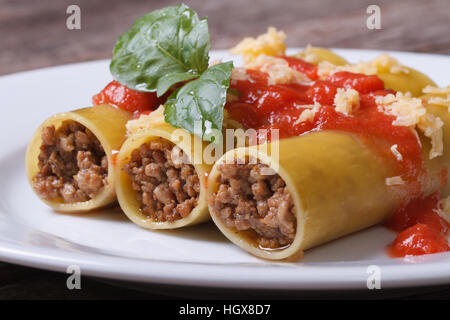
{"x": 198, "y": 105}
{"x": 162, "y": 48}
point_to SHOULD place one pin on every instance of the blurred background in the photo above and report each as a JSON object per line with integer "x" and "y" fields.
{"x": 33, "y": 33}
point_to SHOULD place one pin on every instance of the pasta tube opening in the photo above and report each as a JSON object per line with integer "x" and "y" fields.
{"x": 71, "y": 158}
{"x": 167, "y": 187}
{"x": 255, "y": 199}
{"x": 161, "y": 178}
{"x": 72, "y": 163}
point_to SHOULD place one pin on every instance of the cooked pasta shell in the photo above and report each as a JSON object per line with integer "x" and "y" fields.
{"x": 192, "y": 146}
{"x": 338, "y": 186}
{"x": 107, "y": 124}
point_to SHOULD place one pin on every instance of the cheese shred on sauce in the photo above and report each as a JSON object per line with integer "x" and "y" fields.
{"x": 394, "y": 181}
{"x": 308, "y": 114}
{"x": 396, "y": 153}
{"x": 260, "y": 54}
{"x": 444, "y": 209}
{"x": 346, "y": 101}
{"x": 382, "y": 63}
{"x": 410, "y": 112}
{"x": 278, "y": 70}
{"x": 239, "y": 74}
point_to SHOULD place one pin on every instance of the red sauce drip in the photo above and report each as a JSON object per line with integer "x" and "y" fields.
{"x": 418, "y": 240}
{"x": 420, "y": 210}
{"x": 125, "y": 98}
{"x": 421, "y": 229}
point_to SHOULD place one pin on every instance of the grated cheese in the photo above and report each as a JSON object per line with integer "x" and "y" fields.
{"x": 431, "y": 127}
{"x": 386, "y": 63}
{"x": 278, "y": 70}
{"x": 270, "y": 43}
{"x": 346, "y": 100}
{"x": 396, "y": 153}
{"x": 146, "y": 121}
{"x": 440, "y": 101}
{"x": 407, "y": 110}
{"x": 439, "y": 96}
{"x": 410, "y": 112}
{"x": 239, "y": 74}
{"x": 309, "y": 113}
{"x": 308, "y": 55}
{"x": 394, "y": 181}
{"x": 382, "y": 63}
{"x": 444, "y": 209}
{"x": 414, "y": 131}
{"x": 326, "y": 69}
{"x": 436, "y": 90}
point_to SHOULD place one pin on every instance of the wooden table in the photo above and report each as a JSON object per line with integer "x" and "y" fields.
{"x": 33, "y": 35}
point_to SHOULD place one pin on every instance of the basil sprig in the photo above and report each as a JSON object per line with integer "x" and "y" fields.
{"x": 198, "y": 105}
{"x": 162, "y": 48}
{"x": 169, "y": 46}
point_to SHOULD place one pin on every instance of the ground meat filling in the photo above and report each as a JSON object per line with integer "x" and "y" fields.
{"x": 249, "y": 200}
{"x": 167, "y": 185}
{"x": 72, "y": 164}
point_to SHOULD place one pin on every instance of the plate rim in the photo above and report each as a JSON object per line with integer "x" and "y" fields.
{"x": 297, "y": 276}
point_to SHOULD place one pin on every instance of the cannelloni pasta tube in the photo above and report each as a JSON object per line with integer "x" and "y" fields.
{"x": 410, "y": 80}
{"x": 321, "y": 186}
{"x": 162, "y": 178}
{"x": 70, "y": 160}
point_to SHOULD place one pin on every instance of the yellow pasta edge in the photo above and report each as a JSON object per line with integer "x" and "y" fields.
{"x": 127, "y": 196}
{"x": 107, "y": 123}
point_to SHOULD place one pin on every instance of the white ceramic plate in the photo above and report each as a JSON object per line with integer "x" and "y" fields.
{"x": 105, "y": 244}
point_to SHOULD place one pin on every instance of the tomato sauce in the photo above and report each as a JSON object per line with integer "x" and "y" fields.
{"x": 421, "y": 229}
{"x": 127, "y": 99}
{"x": 302, "y": 66}
{"x": 263, "y": 106}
